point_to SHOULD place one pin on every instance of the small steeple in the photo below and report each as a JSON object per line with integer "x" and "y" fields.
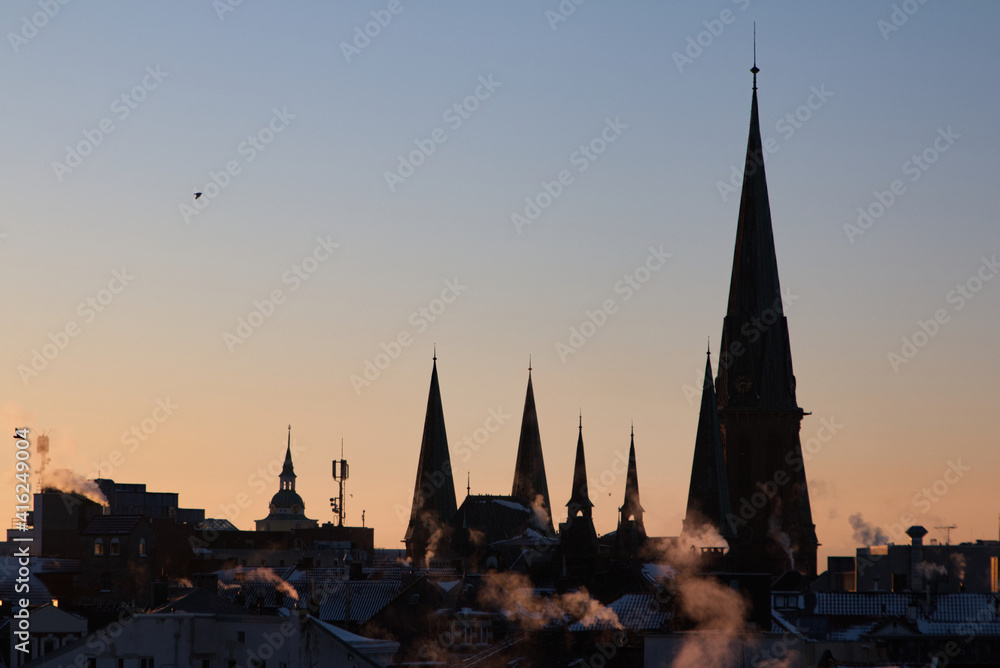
{"x": 631, "y": 534}
{"x": 708, "y": 495}
{"x": 529, "y": 469}
{"x": 579, "y": 500}
{"x": 287, "y": 477}
{"x": 631, "y": 508}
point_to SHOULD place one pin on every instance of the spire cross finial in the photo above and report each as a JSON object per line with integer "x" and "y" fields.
{"x": 755, "y": 69}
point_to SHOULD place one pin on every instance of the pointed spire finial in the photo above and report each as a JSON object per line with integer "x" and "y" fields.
{"x": 755, "y": 69}
{"x": 435, "y": 352}
{"x": 529, "y": 364}
{"x": 581, "y": 419}
{"x": 468, "y": 483}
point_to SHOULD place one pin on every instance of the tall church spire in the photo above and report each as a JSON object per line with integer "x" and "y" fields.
{"x": 434, "y": 490}
{"x": 758, "y": 412}
{"x": 755, "y": 366}
{"x": 529, "y": 470}
{"x": 708, "y": 495}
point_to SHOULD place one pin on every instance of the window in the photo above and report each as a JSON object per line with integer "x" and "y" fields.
{"x": 98, "y": 547}
{"x": 142, "y": 547}
{"x": 994, "y": 574}
{"x": 115, "y": 547}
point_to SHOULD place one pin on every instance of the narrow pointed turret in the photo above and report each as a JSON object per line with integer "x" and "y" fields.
{"x": 287, "y": 470}
{"x": 579, "y": 500}
{"x": 530, "y": 483}
{"x": 758, "y": 412}
{"x": 577, "y": 535}
{"x": 631, "y": 533}
{"x": 434, "y": 490}
{"x": 708, "y": 505}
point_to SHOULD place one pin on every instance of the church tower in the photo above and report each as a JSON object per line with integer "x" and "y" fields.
{"x": 631, "y": 534}
{"x": 530, "y": 484}
{"x": 759, "y": 415}
{"x": 434, "y": 491}
{"x": 287, "y": 510}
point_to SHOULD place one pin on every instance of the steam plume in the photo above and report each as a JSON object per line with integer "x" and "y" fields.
{"x": 66, "y": 480}
{"x": 514, "y": 594}
{"x": 866, "y": 534}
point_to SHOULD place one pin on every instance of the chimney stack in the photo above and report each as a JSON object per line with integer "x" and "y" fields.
{"x": 916, "y": 533}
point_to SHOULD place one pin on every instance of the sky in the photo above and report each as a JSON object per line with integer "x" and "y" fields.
{"x": 382, "y": 177}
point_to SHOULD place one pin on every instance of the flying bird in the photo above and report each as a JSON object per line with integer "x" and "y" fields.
{"x": 197, "y": 195}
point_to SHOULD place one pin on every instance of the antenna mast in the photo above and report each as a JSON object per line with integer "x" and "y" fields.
{"x": 340, "y": 473}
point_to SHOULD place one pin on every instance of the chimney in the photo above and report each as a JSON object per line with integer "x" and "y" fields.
{"x": 916, "y": 533}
